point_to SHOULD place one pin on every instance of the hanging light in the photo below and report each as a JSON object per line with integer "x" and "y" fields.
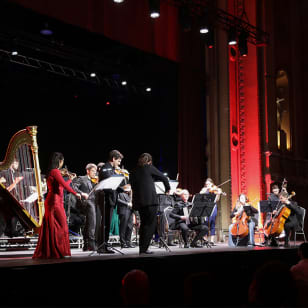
{"x": 242, "y": 44}
{"x": 118, "y": 1}
{"x": 232, "y": 37}
{"x": 154, "y": 6}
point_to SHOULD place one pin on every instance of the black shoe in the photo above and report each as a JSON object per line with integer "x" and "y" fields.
{"x": 171, "y": 244}
{"x": 148, "y": 252}
{"x": 105, "y": 250}
{"x": 195, "y": 245}
{"x": 186, "y": 245}
{"x": 274, "y": 243}
{"x": 124, "y": 246}
{"x": 130, "y": 245}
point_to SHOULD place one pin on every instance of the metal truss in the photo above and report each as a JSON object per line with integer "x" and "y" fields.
{"x": 223, "y": 19}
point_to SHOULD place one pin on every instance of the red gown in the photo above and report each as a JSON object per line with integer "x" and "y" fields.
{"x": 53, "y": 241}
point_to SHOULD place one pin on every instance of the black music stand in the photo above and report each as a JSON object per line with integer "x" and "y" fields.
{"x": 164, "y": 201}
{"x": 203, "y": 208}
{"x": 268, "y": 206}
{"x": 112, "y": 183}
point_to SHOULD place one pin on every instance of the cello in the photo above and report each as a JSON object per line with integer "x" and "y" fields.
{"x": 276, "y": 225}
{"x": 240, "y": 227}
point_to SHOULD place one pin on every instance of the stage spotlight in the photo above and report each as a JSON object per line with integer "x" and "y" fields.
{"x": 154, "y": 6}
{"x": 118, "y": 1}
{"x": 46, "y": 30}
{"x": 124, "y": 83}
{"x": 14, "y": 53}
{"x": 148, "y": 89}
{"x": 232, "y": 37}
{"x": 242, "y": 44}
{"x": 93, "y": 75}
{"x": 204, "y": 24}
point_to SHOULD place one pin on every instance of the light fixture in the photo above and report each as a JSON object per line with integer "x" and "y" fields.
{"x": 118, "y": 1}
{"x": 242, "y": 44}
{"x": 46, "y": 30}
{"x": 232, "y": 37}
{"x": 154, "y": 7}
{"x": 124, "y": 83}
{"x": 209, "y": 38}
{"x": 93, "y": 75}
{"x": 204, "y": 23}
{"x": 148, "y": 89}
{"x": 14, "y": 53}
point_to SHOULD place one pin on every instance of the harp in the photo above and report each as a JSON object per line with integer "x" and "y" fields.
{"x": 21, "y": 191}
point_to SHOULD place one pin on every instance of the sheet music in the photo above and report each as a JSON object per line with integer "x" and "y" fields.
{"x": 112, "y": 182}
{"x": 160, "y": 187}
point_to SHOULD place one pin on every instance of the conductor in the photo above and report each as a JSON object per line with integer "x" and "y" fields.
{"x": 145, "y": 199}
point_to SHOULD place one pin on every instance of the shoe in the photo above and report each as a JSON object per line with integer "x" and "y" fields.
{"x": 130, "y": 245}
{"x": 194, "y": 245}
{"x": 148, "y": 252}
{"x": 212, "y": 244}
{"x": 105, "y": 250}
{"x": 286, "y": 244}
{"x": 171, "y": 244}
{"x": 186, "y": 245}
{"x": 124, "y": 246}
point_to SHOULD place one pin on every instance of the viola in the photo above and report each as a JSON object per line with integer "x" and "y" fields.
{"x": 94, "y": 180}
{"x": 217, "y": 191}
{"x": 240, "y": 227}
{"x": 65, "y": 172}
{"x": 121, "y": 172}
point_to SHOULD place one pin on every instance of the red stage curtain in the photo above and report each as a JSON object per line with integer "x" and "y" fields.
{"x": 128, "y": 22}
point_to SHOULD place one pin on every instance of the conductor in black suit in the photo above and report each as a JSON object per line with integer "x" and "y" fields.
{"x": 84, "y": 185}
{"x": 145, "y": 199}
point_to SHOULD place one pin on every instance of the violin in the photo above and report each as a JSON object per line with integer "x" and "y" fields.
{"x": 217, "y": 191}
{"x": 120, "y": 171}
{"x": 94, "y": 180}
{"x": 65, "y": 172}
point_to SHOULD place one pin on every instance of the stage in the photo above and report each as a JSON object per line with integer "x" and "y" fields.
{"x": 90, "y": 279}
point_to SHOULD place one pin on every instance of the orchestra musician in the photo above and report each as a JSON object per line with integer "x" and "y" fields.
{"x": 53, "y": 241}
{"x": 180, "y": 214}
{"x": 242, "y": 206}
{"x": 210, "y": 188}
{"x": 292, "y": 221}
{"x": 10, "y": 178}
{"x": 107, "y": 198}
{"x": 125, "y": 212}
{"x": 85, "y": 184}
{"x": 145, "y": 199}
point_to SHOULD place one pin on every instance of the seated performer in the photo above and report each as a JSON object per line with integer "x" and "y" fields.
{"x": 292, "y": 221}
{"x": 242, "y": 206}
{"x": 180, "y": 214}
{"x": 210, "y": 188}
{"x": 125, "y": 212}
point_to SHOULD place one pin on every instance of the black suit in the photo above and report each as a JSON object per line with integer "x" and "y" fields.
{"x": 83, "y": 184}
{"x": 145, "y": 201}
{"x": 178, "y": 223}
{"x": 292, "y": 220}
{"x": 125, "y": 213}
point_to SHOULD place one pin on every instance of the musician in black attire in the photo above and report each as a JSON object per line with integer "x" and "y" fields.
{"x": 292, "y": 221}
{"x": 182, "y": 221}
{"x": 84, "y": 185}
{"x": 125, "y": 212}
{"x": 145, "y": 199}
{"x": 107, "y": 198}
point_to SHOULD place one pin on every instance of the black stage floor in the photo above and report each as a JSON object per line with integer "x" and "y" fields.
{"x": 92, "y": 280}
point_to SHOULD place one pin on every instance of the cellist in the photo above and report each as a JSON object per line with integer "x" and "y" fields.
{"x": 242, "y": 206}
{"x": 292, "y": 221}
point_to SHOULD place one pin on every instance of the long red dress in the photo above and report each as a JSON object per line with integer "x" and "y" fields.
{"x": 53, "y": 239}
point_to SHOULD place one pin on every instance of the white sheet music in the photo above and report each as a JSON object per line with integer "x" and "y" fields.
{"x": 112, "y": 182}
{"x": 160, "y": 187}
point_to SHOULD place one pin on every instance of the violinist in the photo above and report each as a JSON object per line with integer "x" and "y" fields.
{"x": 292, "y": 221}
{"x": 84, "y": 185}
{"x": 106, "y": 199}
{"x": 242, "y": 206}
{"x": 210, "y": 188}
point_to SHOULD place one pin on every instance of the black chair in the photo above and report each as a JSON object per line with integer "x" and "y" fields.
{"x": 169, "y": 221}
{"x": 300, "y": 229}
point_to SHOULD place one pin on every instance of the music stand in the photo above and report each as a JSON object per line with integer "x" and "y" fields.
{"x": 268, "y": 206}
{"x": 112, "y": 183}
{"x": 160, "y": 188}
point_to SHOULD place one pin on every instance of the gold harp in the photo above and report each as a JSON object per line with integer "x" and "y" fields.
{"x": 21, "y": 191}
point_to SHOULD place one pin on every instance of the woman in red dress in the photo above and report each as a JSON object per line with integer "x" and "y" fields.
{"x": 53, "y": 241}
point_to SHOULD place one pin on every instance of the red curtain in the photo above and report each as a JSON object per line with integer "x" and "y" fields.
{"x": 128, "y": 22}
